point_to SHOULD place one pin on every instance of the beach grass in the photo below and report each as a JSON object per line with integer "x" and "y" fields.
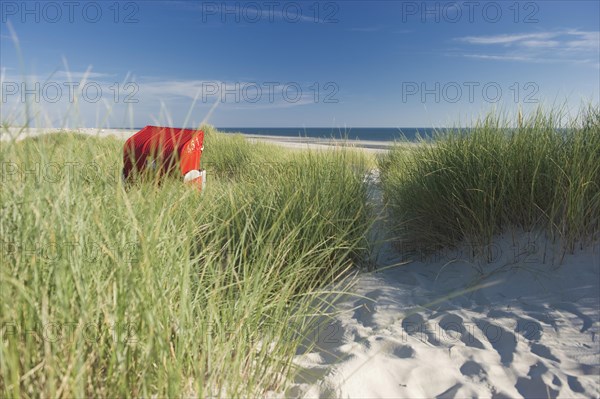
{"x": 160, "y": 290}
{"x": 468, "y": 185}
{"x": 156, "y": 289}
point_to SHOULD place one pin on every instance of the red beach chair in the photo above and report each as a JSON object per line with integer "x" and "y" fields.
{"x": 165, "y": 150}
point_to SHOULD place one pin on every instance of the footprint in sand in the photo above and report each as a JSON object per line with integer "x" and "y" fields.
{"x": 542, "y": 314}
{"x": 473, "y": 370}
{"x": 587, "y": 369}
{"x": 392, "y": 348}
{"x": 587, "y": 322}
{"x": 556, "y": 381}
{"x": 403, "y": 352}
{"x": 453, "y": 325}
{"x": 574, "y": 384}
{"x": 534, "y": 386}
{"x": 502, "y": 340}
{"x": 530, "y": 329}
{"x": 543, "y": 351}
{"x": 365, "y": 308}
{"x": 415, "y": 326}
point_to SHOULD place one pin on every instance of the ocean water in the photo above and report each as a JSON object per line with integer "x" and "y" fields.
{"x": 361, "y": 133}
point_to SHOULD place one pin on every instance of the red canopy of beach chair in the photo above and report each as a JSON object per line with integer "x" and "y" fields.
{"x": 165, "y": 149}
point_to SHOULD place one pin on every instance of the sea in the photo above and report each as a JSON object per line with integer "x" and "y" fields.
{"x": 356, "y": 133}
{"x": 382, "y": 134}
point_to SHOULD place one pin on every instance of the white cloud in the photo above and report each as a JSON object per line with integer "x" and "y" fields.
{"x": 56, "y": 102}
{"x": 76, "y": 75}
{"x": 498, "y": 57}
{"x": 507, "y": 39}
{"x": 571, "y": 46}
{"x": 585, "y": 40}
{"x": 540, "y": 43}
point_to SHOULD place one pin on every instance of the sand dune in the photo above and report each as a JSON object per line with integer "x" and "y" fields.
{"x": 530, "y": 330}
{"x": 526, "y": 324}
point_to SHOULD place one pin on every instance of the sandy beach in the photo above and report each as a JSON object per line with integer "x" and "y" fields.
{"x": 315, "y": 143}
{"x": 448, "y": 327}
{"x": 283, "y": 141}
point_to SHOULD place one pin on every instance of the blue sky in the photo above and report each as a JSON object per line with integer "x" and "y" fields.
{"x": 294, "y": 63}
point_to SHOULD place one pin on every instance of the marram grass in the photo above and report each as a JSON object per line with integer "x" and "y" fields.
{"x": 469, "y": 185}
{"x": 156, "y": 290}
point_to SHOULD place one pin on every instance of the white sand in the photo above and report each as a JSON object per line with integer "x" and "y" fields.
{"x": 529, "y": 331}
{"x": 322, "y": 144}
{"x": 287, "y": 142}
{"x": 448, "y": 326}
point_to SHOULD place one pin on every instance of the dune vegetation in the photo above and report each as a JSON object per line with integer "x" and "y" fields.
{"x": 157, "y": 289}
{"x": 468, "y": 185}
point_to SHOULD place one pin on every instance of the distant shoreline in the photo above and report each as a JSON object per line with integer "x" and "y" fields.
{"x": 317, "y": 143}
{"x": 371, "y": 134}
{"x": 282, "y": 141}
